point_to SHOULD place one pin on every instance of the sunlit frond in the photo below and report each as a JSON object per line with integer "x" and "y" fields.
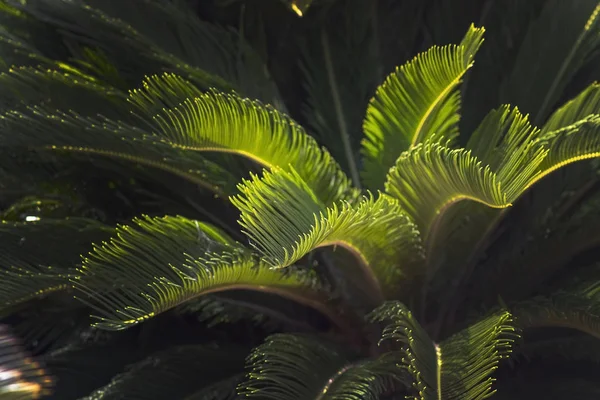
{"x": 585, "y": 103}
{"x": 156, "y": 264}
{"x": 417, "y": 103}
{"x": 458, "y": 368}
{"x": 430, "y": 177}
{"x": 504, "y": 141}
{"x": 291, "y": 367}
{"x": 285, "y": 221}
{"x": 570, "y": 144}
{"x": 232, "y": 124}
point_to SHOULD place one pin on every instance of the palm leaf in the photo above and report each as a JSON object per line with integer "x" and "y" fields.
{"x": 228, "y": 123}
{"x": 285, "y": 220}
{"x": 188, "y": 259}
{"x": 291, "y": 367}
{"x": 39, "y": 257}
{"x": 578, "y": 308}
{"x": 458, "y": 367}
{"x": 585, "y": 103}
{"x": 149, "y": 36}
{"x": 44, "y": 129}
{"x": 22, "y": 378}
{"x": 430, "y": 178}
{"x": 418, "y": 102}
{"x": 559, "y": 42}
{"x": 577, "y": 142}
{"x": 177, "y": 372}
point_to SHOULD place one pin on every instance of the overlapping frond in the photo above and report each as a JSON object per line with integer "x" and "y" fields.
{"x": 39, "y": 257}
{"x": 504, "y": 140}
{"x": 232, "y": 124}
{"x": 460, "y": 367}
{"x": 585, "y": 103}
{"x": 292, "y": 367}
{"x": 430, "y": 177}
{"x": 285, "y": 220}
{"x": 418, "y": 102}
{"x": 22, "y": 378}
{"x": 155, "y": 264}
{"x": 147, "y": 36}
{"x": 43, "y": 128}
{"x": 176, "y": 373}
{"x": 577, "y": 142}
{"x": 558, "y": 43}
{"x": 70, "y": 89}
{"x": 576, "y": 309}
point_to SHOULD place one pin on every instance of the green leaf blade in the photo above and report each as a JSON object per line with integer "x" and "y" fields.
{"x": 418, "y": 102}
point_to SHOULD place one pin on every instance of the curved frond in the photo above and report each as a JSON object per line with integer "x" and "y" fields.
{"x": 156, "y": 264}
{"x": 576, "y": 309}
{"x": 231, "y": 124}
{"x": 45, "y": 129}
{"x": 63, "y": 89}
{"x": 291, "y": 367}
{"x": 460, "y": 367}
{"x": 285, "y": 221}
{"x": 148, "y": 36}
{"x": 577, "y": 142}
{"x": 176, "y": 373}
{"x": 505, "y": 141}
{"x": 22, "y": 378}
{"x": 39, "y": 257}
{"x": 558, "y": 43}
{"x": 585, "y": 103}
{"x": 418, "y": 102}
{"x": 430, "y": 177}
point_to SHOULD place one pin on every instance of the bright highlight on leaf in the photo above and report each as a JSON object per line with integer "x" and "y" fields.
{"x": 156, "y": 264}
{"x": 430, "y": 177}
{"x": 228, "y": 123}
{"x": 285, "y": 221}
{"x": 417, "y": 103}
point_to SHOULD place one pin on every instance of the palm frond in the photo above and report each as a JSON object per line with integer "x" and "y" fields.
{"x": 558, "y": 43}
{"x": 504, "y": 141}
{"x": 39, "y": 257}
{"x": 430, "y": 177}
{"x": 22, "y": 378}
{"x": 577, "y": 142}
{"x": 149, "y": 36}
{"x": 578, "y": 308}
{"x": 418, "y": 102}
{"x": 290, "y": 367}
{"x": 34, "y": 85}
{"x": 285, "y": 221}
{"x": 228, "y": 123}
{"x": 585, "y": 103}
{"x": 176, "y": 373}
{"x": 459, "y": 367}
{"x": 43, "y": 129}
{"x": 156, "y": 264}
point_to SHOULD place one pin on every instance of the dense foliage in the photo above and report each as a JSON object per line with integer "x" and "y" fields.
{"x": 249, "y": 199}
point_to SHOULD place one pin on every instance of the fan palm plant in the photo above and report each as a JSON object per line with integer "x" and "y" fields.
{"x": 171, "y": 231}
